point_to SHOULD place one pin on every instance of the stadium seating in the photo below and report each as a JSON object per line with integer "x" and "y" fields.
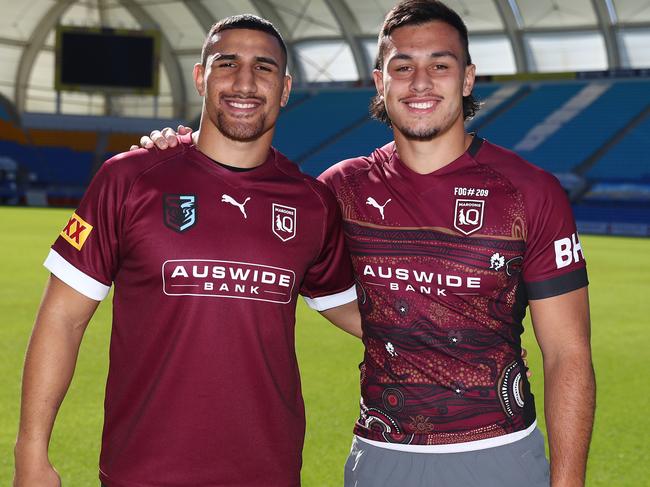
{"x": 627, "y": 160}
{"x": 616, "y": 218}
{"x": 513, "y": 125}
{"x": 590, "y": 128}
{"x": 312, "y": 122}
{"x": 363, "y": 139}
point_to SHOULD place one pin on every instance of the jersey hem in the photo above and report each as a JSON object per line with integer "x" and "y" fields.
{"x": 107, "y": 481}
{"x": 333, "y": 300}
{"x": 455, "y": 447}
{"x": 74, "y": 278}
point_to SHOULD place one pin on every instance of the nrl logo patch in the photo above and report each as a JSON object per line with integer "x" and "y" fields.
{"x": 179, "y": 211}
{"x": 468, "y": 215}
{"x": 284, "y": 222}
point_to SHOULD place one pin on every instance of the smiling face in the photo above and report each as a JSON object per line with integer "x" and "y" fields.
{"x": 243, "y": 84}
{"x": 423, "y": 80}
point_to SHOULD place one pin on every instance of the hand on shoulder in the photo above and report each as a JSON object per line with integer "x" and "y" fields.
{"x": 162, "y": 139}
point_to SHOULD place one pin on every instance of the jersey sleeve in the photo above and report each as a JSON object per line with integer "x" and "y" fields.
{"x": 554, "y": 261}
{"x": 86, "y": 252}
{"x": 329, "y": 281}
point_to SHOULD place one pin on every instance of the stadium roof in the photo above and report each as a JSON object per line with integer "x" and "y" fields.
{"x": 329, "y": 40}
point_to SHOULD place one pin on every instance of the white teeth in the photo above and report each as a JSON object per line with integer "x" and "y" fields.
{"x": 242, "y": 105}
{"x": 421, "y": 105}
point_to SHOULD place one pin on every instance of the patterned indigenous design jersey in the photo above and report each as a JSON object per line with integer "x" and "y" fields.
{"x": 203, "y": 386}
{"x": 446, "y": 263}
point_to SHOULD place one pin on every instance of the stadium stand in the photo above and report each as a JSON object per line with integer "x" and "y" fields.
{"x": 312, "y": 122}
{"x": 363, "y": 138}
{"x": 586, "y": 122}
{"x": 628, "y": 160}
{"x": 544, "y": 98}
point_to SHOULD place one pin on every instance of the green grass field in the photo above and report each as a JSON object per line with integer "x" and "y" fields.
{"x": 619, "y": 270}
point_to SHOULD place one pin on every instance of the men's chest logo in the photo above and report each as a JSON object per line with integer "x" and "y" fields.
{"x": 283, "y": 222}
{"x": 180, "y": 211}
{"x": 468, "y": 215}
{"x": 373, "y": 202}
{"x": 231, "y": 201}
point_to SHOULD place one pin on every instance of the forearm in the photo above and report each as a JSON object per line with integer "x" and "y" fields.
{"x": 49, "y": 366}
{"x": 570, "y": 397}
{"x": 346, "y": 317}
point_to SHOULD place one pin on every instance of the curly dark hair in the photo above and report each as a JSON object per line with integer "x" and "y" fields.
{"x": 417, "y": 12}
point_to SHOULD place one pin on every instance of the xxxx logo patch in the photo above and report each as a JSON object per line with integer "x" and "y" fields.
{"x": 76, "y": 231}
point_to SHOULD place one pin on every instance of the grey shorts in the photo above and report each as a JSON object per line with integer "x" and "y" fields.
{"x": 522, "y": 463}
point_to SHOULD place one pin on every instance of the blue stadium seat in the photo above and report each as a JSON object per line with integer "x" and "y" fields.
{"x": 511, "y": 126}
{"x": 485, "y": 90}
{"x": 591, "y": 128}
{"x": 65, "y": 166}
{"x": 360, "y": 141}
{"x": 612, "y": 213}
{"x": 627, "y": 160}
{"x": 51, "y": 165}
{"x": 314, "y": 121}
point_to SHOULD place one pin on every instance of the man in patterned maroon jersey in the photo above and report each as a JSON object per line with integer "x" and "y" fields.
{"x": 208, "y": 246}
{"x": 451, "y": 238}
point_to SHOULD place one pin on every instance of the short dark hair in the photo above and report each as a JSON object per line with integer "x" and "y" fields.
{"x": 417, "y": 12}
{"x": 243, "y": 21}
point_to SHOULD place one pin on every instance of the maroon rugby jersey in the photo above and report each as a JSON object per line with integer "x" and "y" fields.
{"x": 446, "y": 264}
{"x": 203, "y": 386}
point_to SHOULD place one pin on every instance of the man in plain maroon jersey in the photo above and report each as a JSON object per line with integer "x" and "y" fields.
{"x": 208, "y": 246}
{"x": 451, "y": 239}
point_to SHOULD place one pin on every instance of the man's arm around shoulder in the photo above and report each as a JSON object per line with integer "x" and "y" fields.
{"x": 49, "y": 365}
{"x": 562, "y": 328}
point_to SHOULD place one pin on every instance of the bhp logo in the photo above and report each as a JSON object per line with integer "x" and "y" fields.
{"x": 567, "y": 251}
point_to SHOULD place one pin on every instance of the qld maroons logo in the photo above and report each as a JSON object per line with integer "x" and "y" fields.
{"x": 179, "y": 211}
{"x": 468, "y": 215}
{"x": 284, "y": 222}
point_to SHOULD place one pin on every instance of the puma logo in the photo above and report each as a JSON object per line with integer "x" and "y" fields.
{"x": 372, "y": 202}
{"x": 229, "y": 199}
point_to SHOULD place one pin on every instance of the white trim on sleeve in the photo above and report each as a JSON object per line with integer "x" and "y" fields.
{"x": 74, "y": 278}
{"x": 333, "y": 300}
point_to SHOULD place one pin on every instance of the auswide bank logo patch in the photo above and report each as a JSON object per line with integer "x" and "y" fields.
{"x": 76, "y": 231}
{"x": 468, "y": 215}
{"x": 179, "y": 211}
{"x": 227, "y": 279}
